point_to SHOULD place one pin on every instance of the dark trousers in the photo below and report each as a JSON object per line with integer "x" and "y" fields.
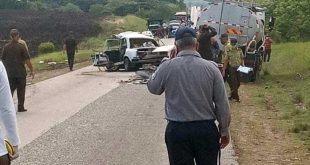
{"x": 19, "y": 83}
{"x": 267, "y": 53}
{"x": 189, "y": 142}
{"x": 70, "y": 57}
{"x": 234, "y": 82}
{"x": 5, "y": 160}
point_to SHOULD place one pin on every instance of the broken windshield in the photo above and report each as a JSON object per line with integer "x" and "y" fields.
{"x": 142, "y": 42}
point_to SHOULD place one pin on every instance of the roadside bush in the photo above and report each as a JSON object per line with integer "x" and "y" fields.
{"x": 298, "y": 127}
{"x": 92, "y": 43}
{"x": 46, "y": 47}
{"x": 298, "y": 98}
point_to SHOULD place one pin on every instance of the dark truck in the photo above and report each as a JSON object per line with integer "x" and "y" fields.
{"x": 154, "y": 25}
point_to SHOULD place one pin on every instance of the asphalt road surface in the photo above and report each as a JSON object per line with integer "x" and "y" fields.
{"x": 123, "y": 127}
{"x": 87, "y": 117}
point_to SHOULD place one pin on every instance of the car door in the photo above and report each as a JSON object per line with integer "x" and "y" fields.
{"x": 112, "y": 50}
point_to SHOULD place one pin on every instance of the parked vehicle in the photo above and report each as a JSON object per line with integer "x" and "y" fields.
{"x": 243, "y": 21}
{"x": 130, "y": 50}
{"x": 173, "y": 27}
{"x": 154, "y": 25}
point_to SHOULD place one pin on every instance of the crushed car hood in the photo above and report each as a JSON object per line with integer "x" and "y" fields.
{"x": 165, "y": 48}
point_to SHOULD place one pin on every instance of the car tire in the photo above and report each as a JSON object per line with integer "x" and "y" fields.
{"x": 127, "y": 64}
{"x": 112, "y": 68}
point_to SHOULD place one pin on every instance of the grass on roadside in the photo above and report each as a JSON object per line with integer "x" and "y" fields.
{"x": 285, "y": 83}
{"x": 114, "y": 25}
{"x": 59, "y": 58}
{"x": 133, "y": 23}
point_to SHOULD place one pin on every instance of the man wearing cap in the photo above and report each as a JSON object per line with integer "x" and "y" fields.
{"x": 233, "y": 59}
{"x": 14, "y": 57}
{"x": 204, "y": 39}
{"x": 195, "y": 98}
{"x": 70, "y": 46}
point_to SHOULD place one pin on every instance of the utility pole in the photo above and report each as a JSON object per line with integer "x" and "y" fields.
{"x": 219, "y": 31}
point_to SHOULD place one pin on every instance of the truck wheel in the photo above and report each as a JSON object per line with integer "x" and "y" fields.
{"x": 127, "y": 64}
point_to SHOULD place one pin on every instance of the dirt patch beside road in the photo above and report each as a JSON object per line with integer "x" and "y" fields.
{"x": 257, "y": 133}
{"x": 47, "y": 74}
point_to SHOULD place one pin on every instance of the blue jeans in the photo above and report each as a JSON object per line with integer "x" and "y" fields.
{"x": 189, "y": 142}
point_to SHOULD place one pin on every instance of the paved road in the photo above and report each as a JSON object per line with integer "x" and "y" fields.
{"x": 87, "y": 117}
{"x": 109, "y": 131}
{"x": 52, "y": 101}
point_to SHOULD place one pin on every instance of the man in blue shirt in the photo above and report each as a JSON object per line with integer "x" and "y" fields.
{"x": 195, "y": 98}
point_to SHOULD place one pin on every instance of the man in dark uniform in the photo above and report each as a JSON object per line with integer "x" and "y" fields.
{"x": 204, "y": 39}
{"x": 233, "y": 59}
{"x": 14, "y": 57}
{"x": 70, "y": 46}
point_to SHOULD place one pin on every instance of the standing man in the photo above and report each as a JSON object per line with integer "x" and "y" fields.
{"x": 267, "y": 44}
{"x": 195, "y": 98}
{"x": 233, "y": 59}
{"x": 225, "y": 44}
{"x": 204, "y": 39}
{"x": 8, "y": 119}
{"x": 14, "y": 57}
{"x": 70, "y": 46}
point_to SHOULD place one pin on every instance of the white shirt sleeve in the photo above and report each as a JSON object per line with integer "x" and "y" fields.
{"x": 7, "y": 112}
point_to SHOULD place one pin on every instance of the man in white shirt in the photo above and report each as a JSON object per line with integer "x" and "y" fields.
{"x": 8, "y": 119}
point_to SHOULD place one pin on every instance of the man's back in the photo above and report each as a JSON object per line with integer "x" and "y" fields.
{"x": 70, "y": 44}
{"x": 267, "y": 43}
{"x": 190, "y": 83}
{"x": 14, "y": 56}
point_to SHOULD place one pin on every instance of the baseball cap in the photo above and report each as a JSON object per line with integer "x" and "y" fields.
{"x": 184, "y": 32}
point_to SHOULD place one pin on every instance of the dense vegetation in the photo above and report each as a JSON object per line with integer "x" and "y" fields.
{"x": 142, "y": 8}
{"x": 37, "y": 26}
{"x": 292, "y": 17}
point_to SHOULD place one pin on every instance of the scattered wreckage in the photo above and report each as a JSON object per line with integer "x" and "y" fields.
{"x": 130, "y": 50}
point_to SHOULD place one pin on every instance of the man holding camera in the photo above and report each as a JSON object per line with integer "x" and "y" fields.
{"x": 204, "y": 39}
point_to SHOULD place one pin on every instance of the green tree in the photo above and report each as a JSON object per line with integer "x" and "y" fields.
{"x": 70, "y": 8}
{"x": 99, "y": 10}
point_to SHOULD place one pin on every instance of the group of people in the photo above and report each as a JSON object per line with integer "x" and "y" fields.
{"x": 195, "y": 94}
{"x": 195, "y": 97}
{"x": 193, "y": 85}
{"x": 13, "y": 73}
{"x": 230, "y": 55}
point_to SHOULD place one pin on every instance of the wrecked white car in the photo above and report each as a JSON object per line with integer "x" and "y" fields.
{"x": 130, "y": 50}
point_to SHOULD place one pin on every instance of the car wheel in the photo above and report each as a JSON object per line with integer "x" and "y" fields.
{"x": 127, "y": 64}
{"x": 112, "y": 68}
